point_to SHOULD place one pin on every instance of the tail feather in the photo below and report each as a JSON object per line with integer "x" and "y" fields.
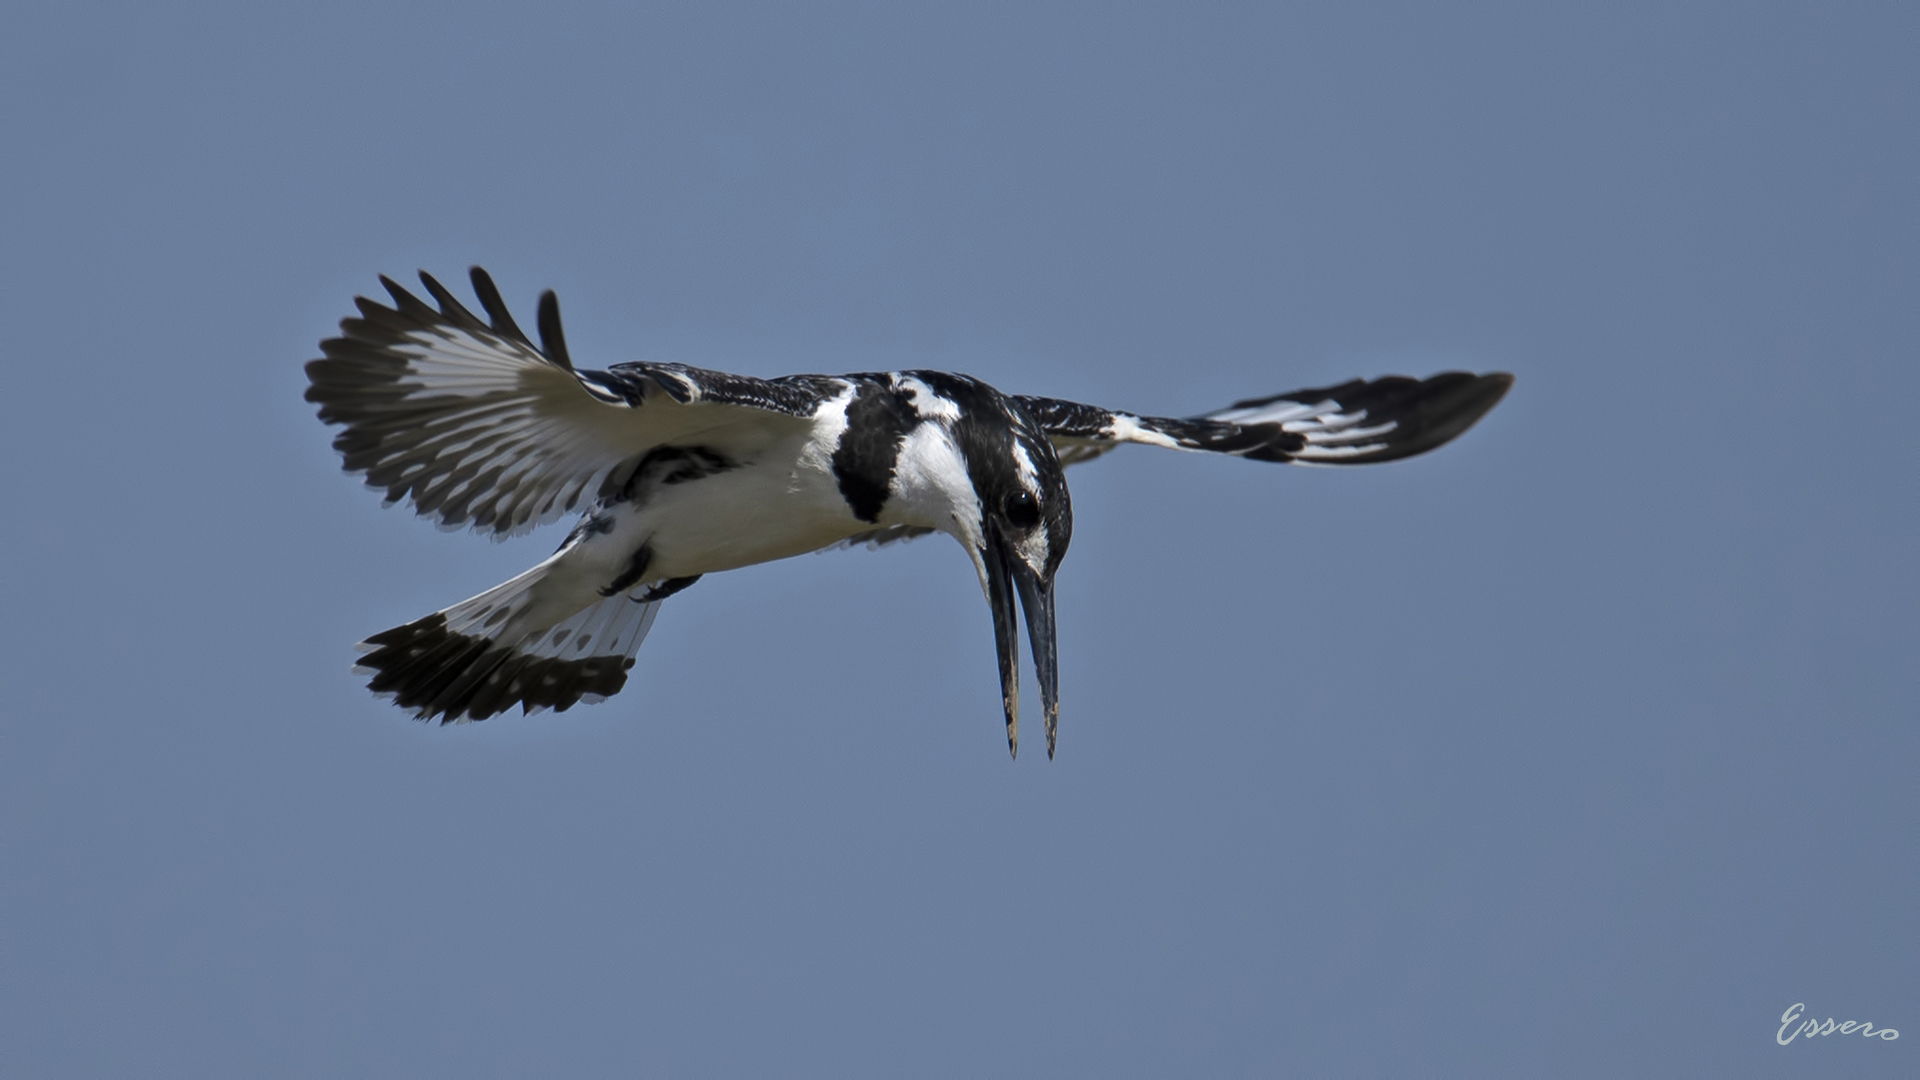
{"x": 478, "y": 658}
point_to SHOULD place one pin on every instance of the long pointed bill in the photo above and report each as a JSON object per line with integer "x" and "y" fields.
{"x": 1036, "y": 599}
{"x": 1003, "y": 571}
{"x": 997, "y": 576}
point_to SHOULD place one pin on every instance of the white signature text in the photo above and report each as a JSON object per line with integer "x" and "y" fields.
{"x": 1810, "y": 1027}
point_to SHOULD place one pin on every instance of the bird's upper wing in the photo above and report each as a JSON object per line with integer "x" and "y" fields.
{"x": 476, "y": 425}
{"x": 1356, "y": 423}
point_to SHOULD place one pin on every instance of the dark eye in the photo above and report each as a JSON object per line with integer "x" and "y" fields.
{"x": 1022, "y": 510}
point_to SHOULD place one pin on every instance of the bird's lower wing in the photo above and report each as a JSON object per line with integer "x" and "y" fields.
{"x": 1361, "y": 422}
{"x": 474, "y": 424}
{"x": 874, "y": 539}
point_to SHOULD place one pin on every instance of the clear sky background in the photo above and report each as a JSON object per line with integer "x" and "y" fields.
{"x": 1583, "y": 747}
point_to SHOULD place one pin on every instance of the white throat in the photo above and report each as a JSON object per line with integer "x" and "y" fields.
{"x": 931, "y": 488}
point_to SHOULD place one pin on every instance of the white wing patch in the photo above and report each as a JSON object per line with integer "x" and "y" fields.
{"x": 476, "y": 426}
{"x": 1331, "y": 432}
{"x": 1126, "y": 427}
{"x": 489, "y": 433}
{"x": 1276, "y": 412}
{"x": 448, "y": 360}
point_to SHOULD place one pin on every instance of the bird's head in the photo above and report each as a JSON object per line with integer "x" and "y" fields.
{"x": 1016, "y": 527}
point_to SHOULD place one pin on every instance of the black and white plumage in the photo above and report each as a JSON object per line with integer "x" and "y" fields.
{"x": 677, "y": 472}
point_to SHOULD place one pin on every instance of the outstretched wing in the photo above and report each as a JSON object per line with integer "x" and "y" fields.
{"x": 476, "y": 425}
{"x": 1356, "y": 423}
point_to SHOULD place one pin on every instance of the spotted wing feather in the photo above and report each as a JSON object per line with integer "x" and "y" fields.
{"x": 474, "y": 424}
{"x": 1355, "y": 423}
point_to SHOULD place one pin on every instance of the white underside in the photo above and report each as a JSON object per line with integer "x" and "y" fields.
{"x": 781, "y": 500}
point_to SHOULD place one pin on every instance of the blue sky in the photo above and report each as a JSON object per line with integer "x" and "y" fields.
{"x": 1584, "y": 746}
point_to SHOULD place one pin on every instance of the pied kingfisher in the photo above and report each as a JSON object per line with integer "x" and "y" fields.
{"x": 679, "y": 472}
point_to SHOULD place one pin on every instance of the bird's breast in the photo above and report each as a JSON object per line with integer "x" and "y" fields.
{"x": 782, "y": 500}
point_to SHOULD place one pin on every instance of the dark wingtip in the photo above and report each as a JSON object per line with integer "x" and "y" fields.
{"x": 395, "y": 290}
{"x": 450, "y": 305}
{"x": 1476, "y": 400}
{"x": 1453, "y": 401}
{"x": 552, "y": 341}
{"x": 1496, "y": 384}
{"x": 1429, "y": 412}
{"x": 1503, "y": 382}
{"x": 496, "y": 308}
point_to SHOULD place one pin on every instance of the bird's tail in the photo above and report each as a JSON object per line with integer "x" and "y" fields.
{"x": 481, "y": 657}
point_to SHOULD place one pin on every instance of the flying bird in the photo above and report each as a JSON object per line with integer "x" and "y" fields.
{"x": 677, "y": 472}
